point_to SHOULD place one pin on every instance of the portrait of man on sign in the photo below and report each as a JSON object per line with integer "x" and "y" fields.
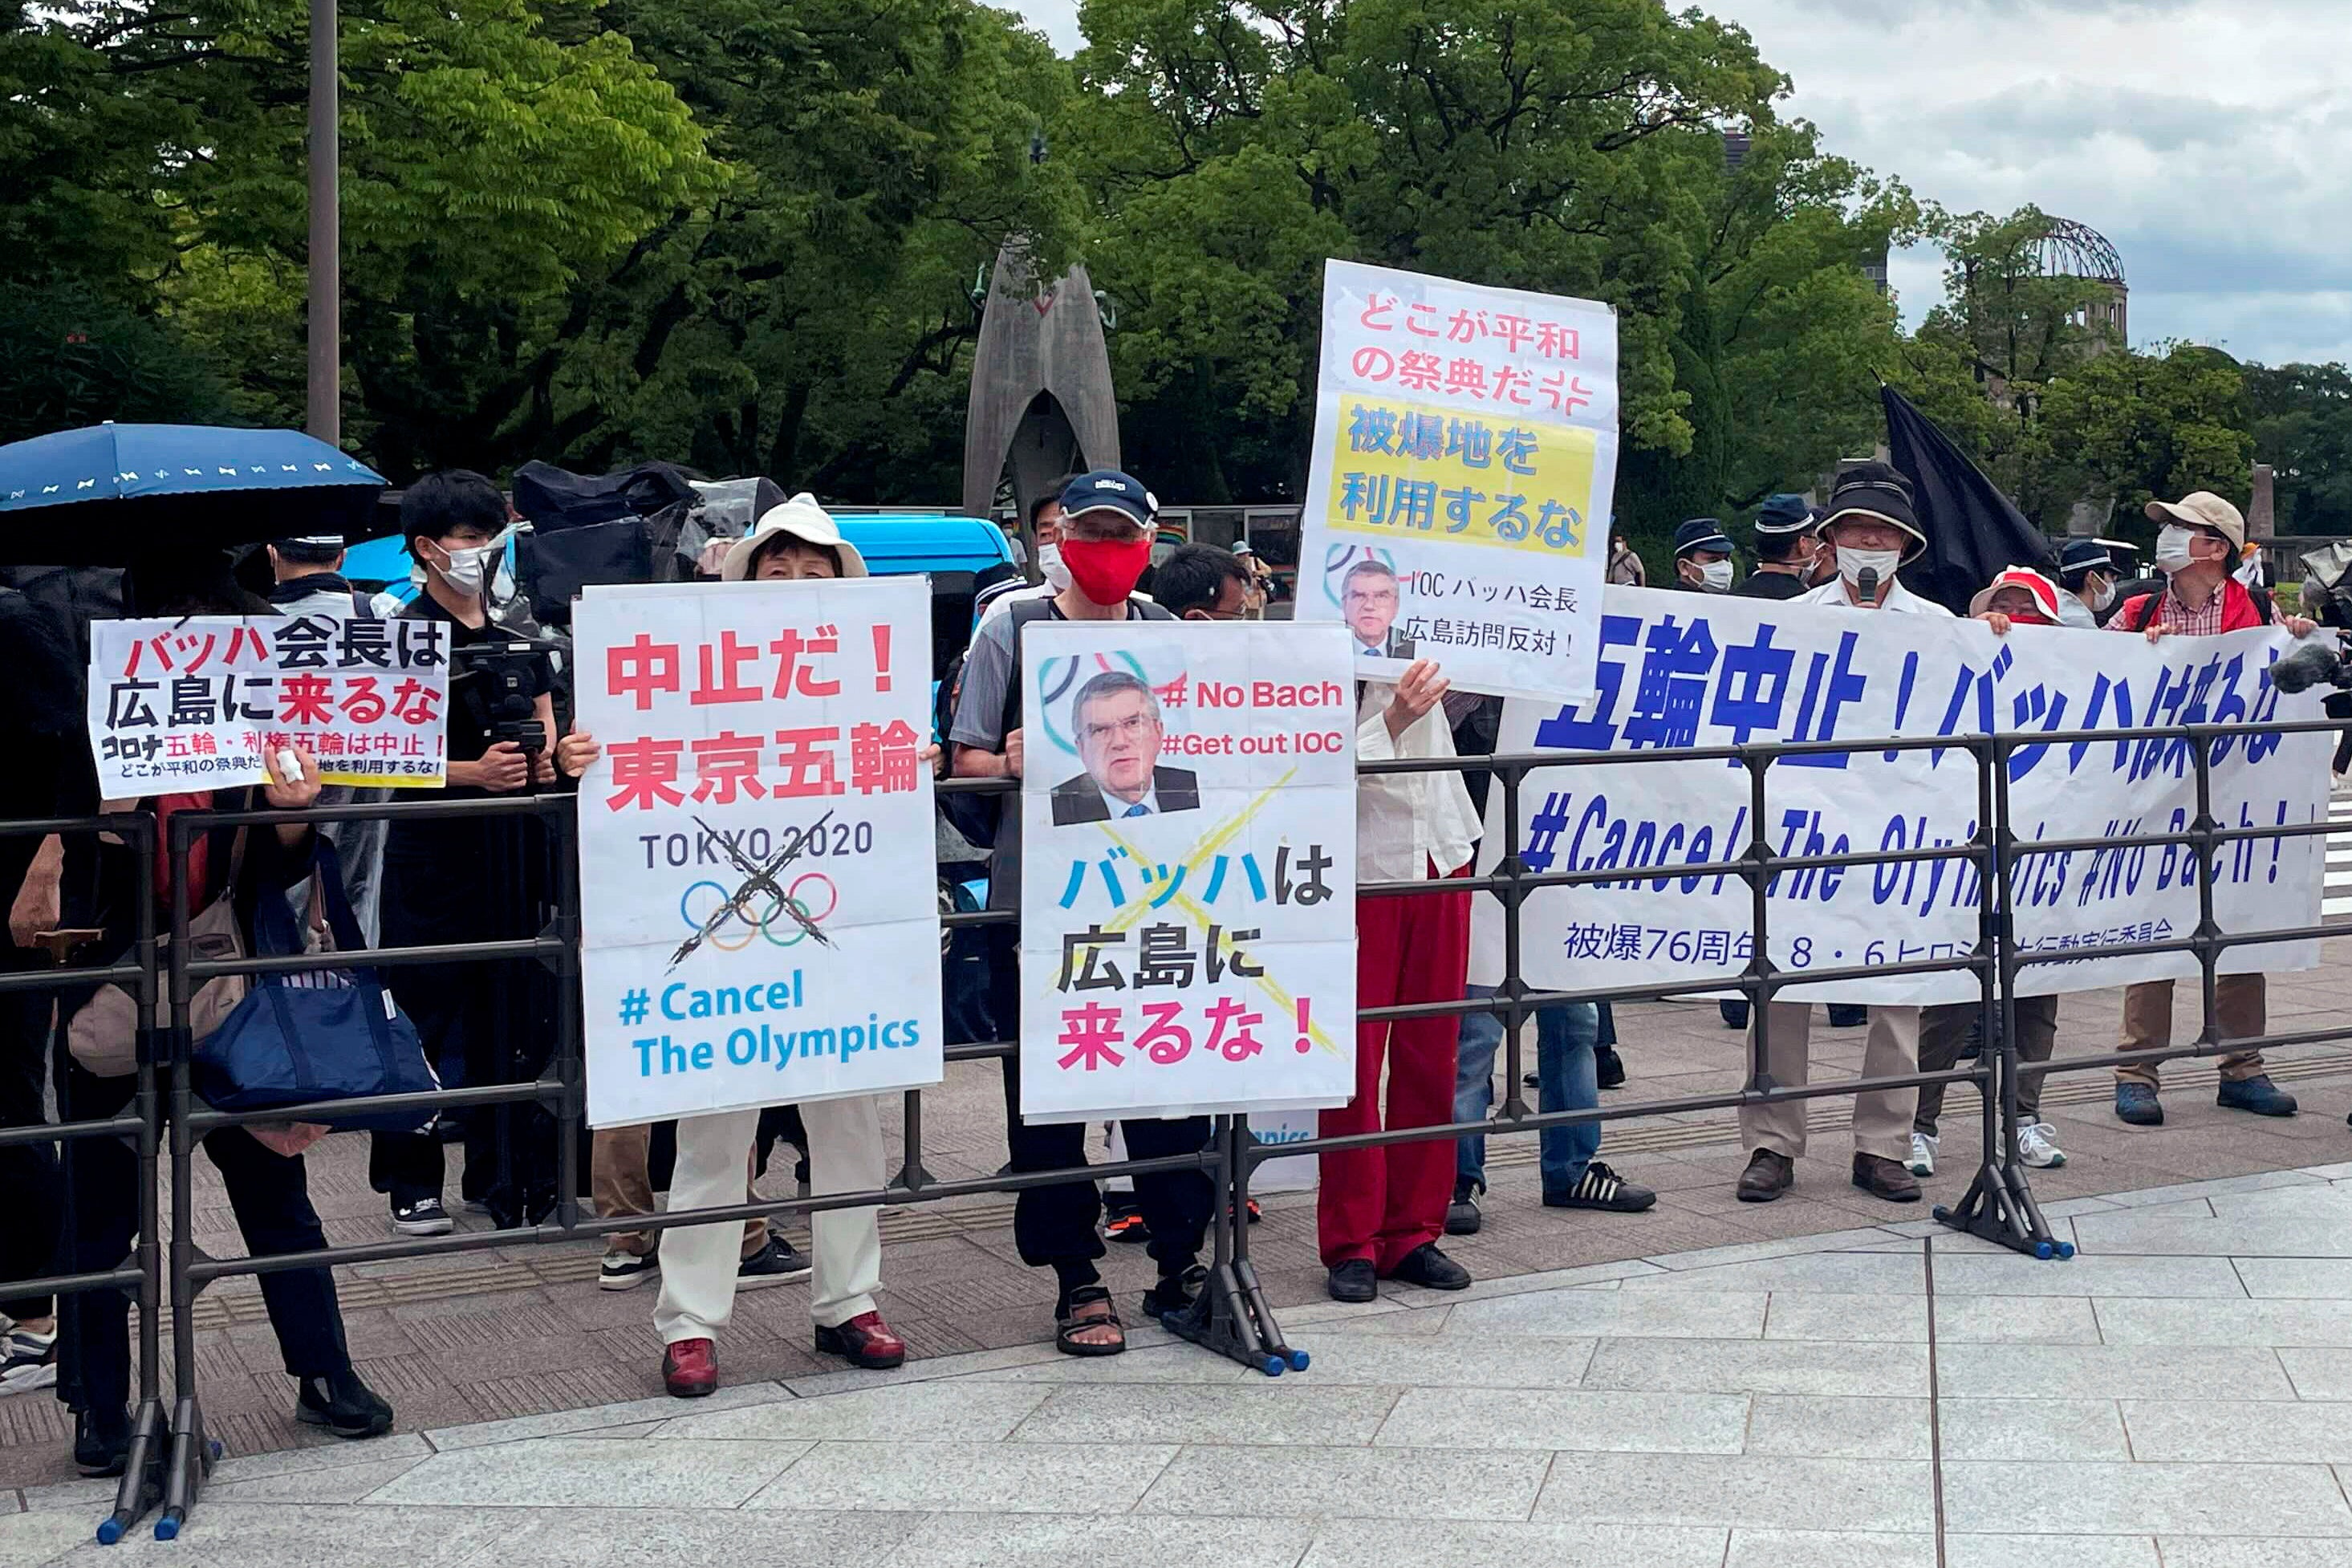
{"x": 1116, "y": 722}
{"x": 1369, "y": 600}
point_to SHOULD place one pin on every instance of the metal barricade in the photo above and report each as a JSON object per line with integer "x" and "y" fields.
{"x": 1232, "y": 1315}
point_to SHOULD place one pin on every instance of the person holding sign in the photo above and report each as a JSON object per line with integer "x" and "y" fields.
{"x": 701, "y": 1264}
{"x": 1381, "y": 1211}
{"x": 1105, "y": 542}
{"x": 1874, "y": 533}
{"x": 2200, "y": 538}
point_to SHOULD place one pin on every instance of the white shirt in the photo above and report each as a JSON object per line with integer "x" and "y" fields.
{"x": 1899, "y": 599}
{"x": 1405, "y": 823}
{"x": 1119, "y": 808}
{"x": 2073, "y": 612}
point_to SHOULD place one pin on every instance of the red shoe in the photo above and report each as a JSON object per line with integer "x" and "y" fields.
{"x": 866, "y": 1341}
{"x": 690, "y": 1369}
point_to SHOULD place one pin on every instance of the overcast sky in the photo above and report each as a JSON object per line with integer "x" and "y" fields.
{"x": 2210, "y": 141}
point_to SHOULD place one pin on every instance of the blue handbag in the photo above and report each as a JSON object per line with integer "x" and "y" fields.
{"x": 318, "y": 1036}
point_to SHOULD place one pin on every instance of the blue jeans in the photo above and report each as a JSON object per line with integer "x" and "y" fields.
{"x": 1568, "y": 1081}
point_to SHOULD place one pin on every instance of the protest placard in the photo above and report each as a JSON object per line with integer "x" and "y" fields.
{"x": 1458, "y": 495}
{"x": 758, "y": 923}
{"x": 195, "y": 703}
{"x": 1679, "y": 670}
{"x": 1188, "y": 870}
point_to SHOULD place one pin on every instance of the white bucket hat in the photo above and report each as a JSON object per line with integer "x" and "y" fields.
{"x": 800, "y": 519}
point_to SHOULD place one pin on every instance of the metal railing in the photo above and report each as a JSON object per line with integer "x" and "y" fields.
{"x": 170, "y": 1458}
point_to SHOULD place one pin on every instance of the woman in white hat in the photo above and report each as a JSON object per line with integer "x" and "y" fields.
{"x": 795, "y": 542}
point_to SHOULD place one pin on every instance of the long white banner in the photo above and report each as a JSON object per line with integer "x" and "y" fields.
{"x": 753, "y": 928}
{"x": 1678, "y": 669}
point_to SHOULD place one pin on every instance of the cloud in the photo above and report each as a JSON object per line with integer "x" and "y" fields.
{"x": 2203, "y": 137}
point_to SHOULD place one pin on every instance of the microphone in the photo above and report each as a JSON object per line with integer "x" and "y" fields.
{"x": 2304, "y": 667}
{"x": 1866, "y": 585}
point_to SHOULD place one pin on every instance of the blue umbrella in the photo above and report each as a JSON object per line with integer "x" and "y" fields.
{"x": 116, "y": 491}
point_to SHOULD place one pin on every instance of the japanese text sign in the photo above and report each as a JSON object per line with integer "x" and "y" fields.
{"x": 194, "y": 704}
{"x": 758, "y": 923}
{"x": 1679, "y": 670}
{"x": 1459, "y": 491}
{"x": 1188, "y": 931}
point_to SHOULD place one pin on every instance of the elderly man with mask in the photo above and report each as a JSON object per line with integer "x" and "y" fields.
{"x": 2199, "y": 540}
{"x": 1875, "y": 533}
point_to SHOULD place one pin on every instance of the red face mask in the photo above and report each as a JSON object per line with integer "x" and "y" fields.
{"x": 2031, "y": 618}
{"x": 1105, "y": 573}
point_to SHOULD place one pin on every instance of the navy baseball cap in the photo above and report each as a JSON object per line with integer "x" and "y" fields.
{"x": 1784, "y": 514}
{"x": 2083, "y": 554}
{"x": 1107, "y": 488}
{"x": 1700, "y": 533}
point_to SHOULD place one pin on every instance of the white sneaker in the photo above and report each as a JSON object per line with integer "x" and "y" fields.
{"x": 1923, "y": 1155}
{"x": 2035, "y": 1148}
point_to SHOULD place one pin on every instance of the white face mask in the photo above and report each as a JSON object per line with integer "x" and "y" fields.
{"x": 2172, "y": 548}
{"x": 2104, "y": 597}
{"x": 1714, "y": 576}
{"x": 1853, "y": 563}
{"x": 1050, "y": 567}
{"x": 468, "y": 568}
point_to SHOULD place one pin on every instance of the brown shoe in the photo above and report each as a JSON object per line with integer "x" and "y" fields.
{"x": 1885, "y": 1178}
{"x": 1766, "y": 1177}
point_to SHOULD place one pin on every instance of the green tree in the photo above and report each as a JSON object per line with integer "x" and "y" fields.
{"x": 2135, "y": 427}
{"x": 1231, "y": 146}
{"x": 2302, "y": 419}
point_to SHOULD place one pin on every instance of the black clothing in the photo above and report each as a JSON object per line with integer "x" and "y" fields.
{"x": 1771, "y": 586}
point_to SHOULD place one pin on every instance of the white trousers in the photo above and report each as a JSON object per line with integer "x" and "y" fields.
{"x": 699, "y": 1261}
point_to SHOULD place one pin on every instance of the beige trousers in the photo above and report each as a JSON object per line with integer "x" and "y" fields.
{"x": 1882, "y": 1118}
{"x": 618, "y": 1179}
{"x": 699, "y": 1261}
{"x": 2240, "y": 1003}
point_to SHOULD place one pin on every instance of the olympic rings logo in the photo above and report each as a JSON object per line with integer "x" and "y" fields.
{"x": 777, "y": 922}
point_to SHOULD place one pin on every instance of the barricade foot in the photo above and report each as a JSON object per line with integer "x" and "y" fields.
{"x": 1999, "y": 1206}
{"x": 1224, "y": 1319}
{"x": 142, "y": 1473}
{"x": 193, "y": 1456}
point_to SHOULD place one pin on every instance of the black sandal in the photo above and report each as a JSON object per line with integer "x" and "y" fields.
{"x": 1070, "y": 1323}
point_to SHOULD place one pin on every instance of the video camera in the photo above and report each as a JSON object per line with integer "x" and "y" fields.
{"x": 499, "y": 682}
{"x": 2317, "y": 661}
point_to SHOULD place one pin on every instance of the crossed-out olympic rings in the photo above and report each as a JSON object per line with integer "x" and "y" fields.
{"x": 766, "y": 922}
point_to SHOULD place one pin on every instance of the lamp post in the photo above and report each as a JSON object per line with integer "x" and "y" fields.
{"x": 326, "y": 421}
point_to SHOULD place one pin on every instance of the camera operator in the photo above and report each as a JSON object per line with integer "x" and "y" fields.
{"x": 469, "y": 879}
{"x": 2198, "y": 546}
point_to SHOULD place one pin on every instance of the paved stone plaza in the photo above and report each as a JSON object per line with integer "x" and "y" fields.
{"x": 2180, "y": 1393}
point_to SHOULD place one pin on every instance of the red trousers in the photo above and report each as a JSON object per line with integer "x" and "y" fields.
{"x": 1383, "y": 1202}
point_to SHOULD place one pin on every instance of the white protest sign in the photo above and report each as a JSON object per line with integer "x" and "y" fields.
{"x": 1459, "y": 493}
{"x": 1188, "y": 872}
{"x": 1681, "y": 669}
{"x": 195, "y": 703}
{"x": 758, "y": 920}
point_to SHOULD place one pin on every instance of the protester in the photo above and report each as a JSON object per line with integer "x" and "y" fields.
{"x": 266, "y": 1190}
{"x": 307, "y": 580}
{"x": 449, "y": 881}
{"x": 1202, "y": 582}
{"x": 1788, "y": 551}
{"x": 2017, "y": 596}
{"x": 2197, "y": 545}
{"x": 1790, "y": 561}
{"x": 1261, "y": 580}
{"x": 1045, "y": 528}
{"x": 2088, "y": 573}
{"x": 1380, "y": 1210}
{"x": 1874, "y": 533}
{"x": 1625, "y": 569}
{"x": 48, "y": 776}
{"x": 1567, "y": 1078}
{"x": 702, "y": 1266}
{"x": 1106, "y": 538}
{"x": 1703, "y": 557}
